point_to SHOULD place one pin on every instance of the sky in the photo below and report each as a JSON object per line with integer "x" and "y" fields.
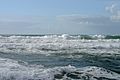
{"x": 59, "y": 16}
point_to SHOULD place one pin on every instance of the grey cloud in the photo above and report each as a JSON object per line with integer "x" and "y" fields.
{"x": 72, "y": 24}
{"x": 88, "y": 20}
{"x": 89, "y": 24}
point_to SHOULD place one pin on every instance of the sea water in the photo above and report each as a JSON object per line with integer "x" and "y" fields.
{"x": 59, "y": 57}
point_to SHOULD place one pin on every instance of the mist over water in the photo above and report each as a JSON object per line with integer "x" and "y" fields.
{"x": 60, "y": 57}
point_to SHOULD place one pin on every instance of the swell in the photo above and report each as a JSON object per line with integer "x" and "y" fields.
{"x": 111, "y": 62}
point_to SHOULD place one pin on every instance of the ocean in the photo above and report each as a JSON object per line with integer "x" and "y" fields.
{"x": 59, "y": 57}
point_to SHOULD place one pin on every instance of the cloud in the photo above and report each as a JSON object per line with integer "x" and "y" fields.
{"x": 114, "y": 9}
{"x": 89, "y": 24}
{"x": 111, "y": 8}
{"x": 88, "y": 20}
{"x": 73, "y": 24}
{"x": 85, "y": 24}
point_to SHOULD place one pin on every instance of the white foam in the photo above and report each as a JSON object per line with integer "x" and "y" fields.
{"x": 12, "y": 70}
{"x": 57, "y": 44}
{"x": 54, "y": 44}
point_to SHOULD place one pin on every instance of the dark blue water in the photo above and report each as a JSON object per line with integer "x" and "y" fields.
{"x": 111, "y": 63}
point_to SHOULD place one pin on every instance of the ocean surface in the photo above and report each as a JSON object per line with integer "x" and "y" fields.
{"x": 59, "y": 57}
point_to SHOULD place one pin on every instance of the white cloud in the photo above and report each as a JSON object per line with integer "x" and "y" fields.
{"x": 111, "y": 8}
{"x": 74, "y": 23}
{"x": 114, "y": 9}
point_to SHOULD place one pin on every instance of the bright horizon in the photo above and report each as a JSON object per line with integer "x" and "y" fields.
{"x": 59, "y": 17}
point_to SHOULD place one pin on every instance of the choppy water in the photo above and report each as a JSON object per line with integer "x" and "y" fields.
{"x": 59, "y": 57}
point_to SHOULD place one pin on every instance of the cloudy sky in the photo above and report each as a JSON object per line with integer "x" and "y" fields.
{"x": 59, "y": 16}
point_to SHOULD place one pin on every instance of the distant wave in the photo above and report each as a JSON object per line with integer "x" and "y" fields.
{"x": 48, "y": 44}
{"x": 65, "y": 36}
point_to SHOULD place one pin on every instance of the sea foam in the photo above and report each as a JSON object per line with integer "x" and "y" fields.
{"x": 58, "y": 44}
{"x": 12, "y": 70}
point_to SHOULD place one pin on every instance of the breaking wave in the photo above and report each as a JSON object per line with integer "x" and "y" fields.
{"x": 13, "y": 70}
{"x": 59, "y": 57}
{"x": 65, "y": 36}
{"x": 57, "y": 44}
